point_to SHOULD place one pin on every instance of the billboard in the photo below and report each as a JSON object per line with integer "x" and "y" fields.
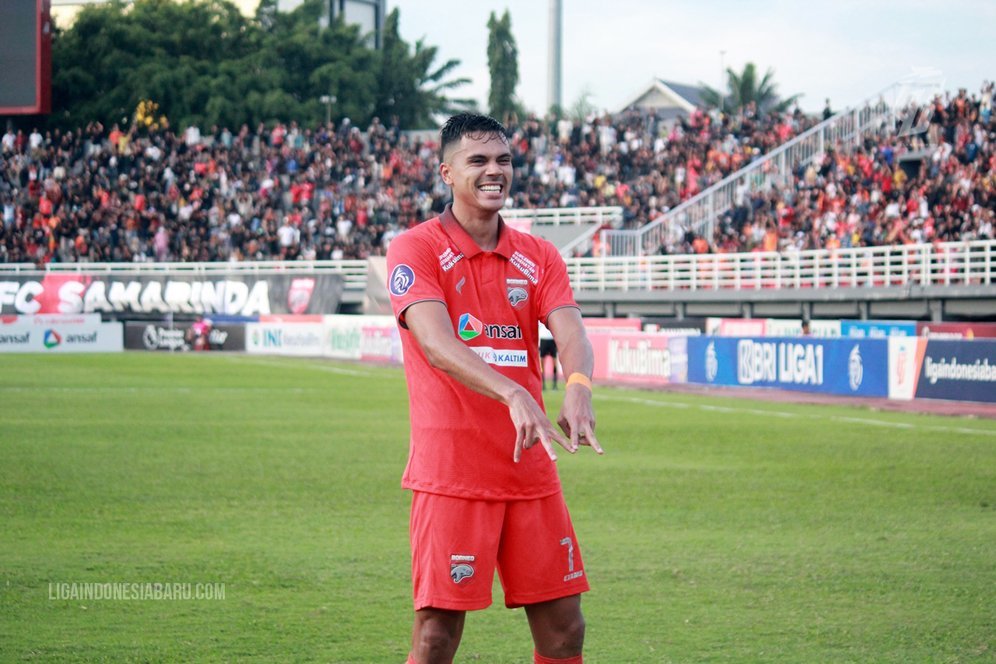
{"x": 961, "y": 370}
{"x": 639, "y": 357}
{"x": 856, "y": 367}
{"x": 301, "y": 339}
{"x": 61, "y": 338}
{"x": 877, "y": 329}
{"x": 25, "y": 57}
{"x": 956, "y": 330}
{"x": 178, "y": 337}
{"x": 150, "y": 295}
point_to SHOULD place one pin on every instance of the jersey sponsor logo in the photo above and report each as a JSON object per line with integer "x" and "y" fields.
{"x": 503, "y": 331}
{"x": 402, "y": 279}
{"x": 461, "y": 567}
{"x": 448, "y": 259}
{"x": 459, "y": 285}
{"x": 501, "y": 357}
{"x": 526, "y": 266}
{"x": 469, "y": 327}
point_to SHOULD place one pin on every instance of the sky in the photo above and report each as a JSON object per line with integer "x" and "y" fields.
{"x": 844, "y": 50}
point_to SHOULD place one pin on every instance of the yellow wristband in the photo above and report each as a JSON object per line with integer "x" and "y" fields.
{"x": 578, "y": 378}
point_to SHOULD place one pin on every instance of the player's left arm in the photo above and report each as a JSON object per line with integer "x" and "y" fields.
{"x": 577, "y": 415}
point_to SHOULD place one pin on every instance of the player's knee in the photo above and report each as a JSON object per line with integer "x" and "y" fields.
{"x": 436, "y": 641}
{"x": 573, "y": 633}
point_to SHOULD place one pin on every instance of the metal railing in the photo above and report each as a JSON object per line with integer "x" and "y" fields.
{"x": 905, "y": 266}
{"x": 843, "y": 131}
{"x": 611, "y": 215}
{"x": 899, "y": 267}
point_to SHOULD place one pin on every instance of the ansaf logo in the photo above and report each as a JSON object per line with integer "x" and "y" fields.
{"x": 469, "y": 327}
{"x": 51, "y": 339}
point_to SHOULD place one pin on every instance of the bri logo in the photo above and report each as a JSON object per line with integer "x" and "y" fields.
{"x": 51, "y": 339}
{"x": 469, "y": 327}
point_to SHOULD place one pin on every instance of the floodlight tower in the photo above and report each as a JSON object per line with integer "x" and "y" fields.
{"x": 554, "y": 91}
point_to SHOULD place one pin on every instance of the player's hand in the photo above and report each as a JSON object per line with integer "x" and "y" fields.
{"x": 532, "y": 426}
{"x": 577, "y": 418}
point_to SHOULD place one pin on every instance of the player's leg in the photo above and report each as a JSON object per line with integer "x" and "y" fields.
{"x": 454, "y": 547}
{"x": 436, "y": 636}
{"x": 541, "y": 569}
{"x": 558, "y": 629}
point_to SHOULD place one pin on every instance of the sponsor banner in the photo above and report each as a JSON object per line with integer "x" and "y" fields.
{"x": 905, "y": 359}
{"x": 302, "y": 339}
{"x": 956, "y": 330}
{"x": 824, "y": 329}
{"x": 686, "y": 327}
{"x": 639, "y": 357}
{"x": 608, "y": 324}
{"x": 782, "y": 327}
{"x": 736, "y": 327}
{"x": 49, "y": 320}
{"x": 380, "y": 341}
{"x": 68, "y": 338}
{"x": 342, "y": 337}
{"x": 181, "y": 337}
{"x": 877, "y": 329}
{"x": 154, "y": 294}
{"x": 835, "y": 366}
{"x": 961, "y": 370}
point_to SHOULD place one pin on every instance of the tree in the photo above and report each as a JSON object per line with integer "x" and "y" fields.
{"x": 744, "y": 89}
{"x": 503, "y": 65}
{"x": 204, "y": 63}
{"x": 409, "y": 86}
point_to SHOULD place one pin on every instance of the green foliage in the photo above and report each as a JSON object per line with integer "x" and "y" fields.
{"x": 503, "y": 65}
{"x": 744, "y": 89}
{"x": 713, "y": 530}
{"x": 205, "y": 63}
{"x": 411, "y": 87}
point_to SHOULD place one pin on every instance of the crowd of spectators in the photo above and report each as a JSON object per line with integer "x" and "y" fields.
{"x": 915, "y": 182}
{"x": 286, "y": 192}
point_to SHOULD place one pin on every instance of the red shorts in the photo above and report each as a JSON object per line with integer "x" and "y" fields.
{"x": 458, "y": 543}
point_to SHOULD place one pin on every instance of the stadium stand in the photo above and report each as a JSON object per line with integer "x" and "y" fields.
{"x": 288, "y": 193}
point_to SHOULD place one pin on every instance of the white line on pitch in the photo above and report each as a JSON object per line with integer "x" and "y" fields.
{"x": 299, "y": 365}
{"x": 778, "y": 413}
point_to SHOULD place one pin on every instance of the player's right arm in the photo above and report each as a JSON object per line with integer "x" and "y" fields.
{"x": 430, "y": 325}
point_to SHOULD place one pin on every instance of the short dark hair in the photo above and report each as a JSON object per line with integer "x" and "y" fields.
{"x": 468, "y": 124}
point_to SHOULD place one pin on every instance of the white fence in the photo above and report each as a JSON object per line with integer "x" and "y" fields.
{"x": 611, "y": 215}
{"x": 904, "y": 266}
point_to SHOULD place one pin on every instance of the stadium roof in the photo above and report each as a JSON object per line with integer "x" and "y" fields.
{"x": 673, "y": 99}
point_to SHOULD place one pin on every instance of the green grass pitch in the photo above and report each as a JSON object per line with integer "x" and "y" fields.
{"x": 714, "y": 530}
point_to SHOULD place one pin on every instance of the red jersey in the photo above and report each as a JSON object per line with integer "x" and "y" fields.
{"x": 461, "y": 441}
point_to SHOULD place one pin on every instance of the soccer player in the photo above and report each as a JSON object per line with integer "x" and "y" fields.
{"x": 468, "y": 292}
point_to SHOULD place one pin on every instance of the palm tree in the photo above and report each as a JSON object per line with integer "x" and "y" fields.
{"x": 744, "y": 88}
{"x": 410, "y": 86}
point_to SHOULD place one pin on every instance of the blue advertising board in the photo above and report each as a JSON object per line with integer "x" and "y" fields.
{"x": 877, "y": 329}
{"x": 856, "y": 367}
{"x": 961, "y": 370}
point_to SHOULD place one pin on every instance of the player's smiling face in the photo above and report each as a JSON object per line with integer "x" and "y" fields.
{"x": 479, "y": 169}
